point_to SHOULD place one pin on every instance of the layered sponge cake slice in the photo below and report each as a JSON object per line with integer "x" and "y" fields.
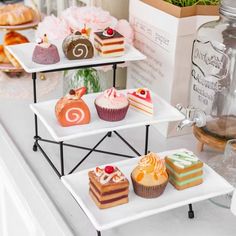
{"x": 141, "y": 100}
{"x": 109, "y": 43}
{"x": 108, "y": 187}
{"x": 184, "y": 169}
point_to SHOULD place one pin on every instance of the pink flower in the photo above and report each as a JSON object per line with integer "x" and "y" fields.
{"x": 55, "y": 28}
{"x": 94, "y": 18}
{"x": 75, "y": 18}
{"x": 124, "y": 28}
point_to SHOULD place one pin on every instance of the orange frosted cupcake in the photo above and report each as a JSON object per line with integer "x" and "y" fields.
{"x": 149, "y": 178}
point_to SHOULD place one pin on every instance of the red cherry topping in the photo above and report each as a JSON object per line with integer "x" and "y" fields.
{"x": 109, "y": 169}
{"x": 110, "y": 31}
{"x": 83, "y": 31}
{"x": 142, "y": 92}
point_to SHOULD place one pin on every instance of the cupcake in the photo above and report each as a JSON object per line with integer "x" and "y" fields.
{"x": 149, "y": 178}
{"x": 111, "y": 105}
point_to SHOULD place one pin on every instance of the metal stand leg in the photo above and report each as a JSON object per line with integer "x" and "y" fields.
{"x": 190, "y": 212}
{"x": 133, "y": 149}
{"x": 34, "y": 77}
{"x": 114, "y": 74}
{"x": 35, "y": 148}
{"x": 88, "y": 154}
{"x": 146, "y": 139}
{"x": 109, "y": 134}
{"x": 48, "y": 159}
{"x": 62, "y": 158}
{"x": 98, "y": 233}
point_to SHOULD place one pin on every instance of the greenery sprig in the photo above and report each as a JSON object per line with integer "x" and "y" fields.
{"x": 185, "y": 3}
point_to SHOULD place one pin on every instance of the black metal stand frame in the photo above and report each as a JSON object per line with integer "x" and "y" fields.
{"x": 61, "y": 144}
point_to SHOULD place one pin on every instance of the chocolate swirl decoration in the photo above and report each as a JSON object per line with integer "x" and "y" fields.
{"x": 74, "y": 115}
{"x": 80, "y": 50}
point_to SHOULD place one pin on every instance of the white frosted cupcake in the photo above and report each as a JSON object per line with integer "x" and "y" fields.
{"x": 111, "y": 105}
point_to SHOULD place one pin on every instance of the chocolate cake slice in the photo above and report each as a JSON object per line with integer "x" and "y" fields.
{"x": 109, "y": 43}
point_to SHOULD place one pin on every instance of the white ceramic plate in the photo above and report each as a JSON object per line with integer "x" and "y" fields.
{"x": 8, "y": 67}
{"x": 137, "y": 208}
{"x": 163, "y": 112}
{"x": 25, "y": 59}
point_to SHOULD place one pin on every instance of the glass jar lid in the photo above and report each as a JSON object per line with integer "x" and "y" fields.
{"x": 228, "y": 8}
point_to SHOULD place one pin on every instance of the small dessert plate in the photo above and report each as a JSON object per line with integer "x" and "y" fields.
{"x": 28, "y": 25}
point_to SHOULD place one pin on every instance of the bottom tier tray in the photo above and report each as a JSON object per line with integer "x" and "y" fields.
{"x": 137, "y": 208}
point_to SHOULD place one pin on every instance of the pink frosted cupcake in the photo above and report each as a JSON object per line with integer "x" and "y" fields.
{"x": 111, "y": 105}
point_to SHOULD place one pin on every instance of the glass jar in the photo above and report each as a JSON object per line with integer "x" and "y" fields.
{"x": 213, "y": 76}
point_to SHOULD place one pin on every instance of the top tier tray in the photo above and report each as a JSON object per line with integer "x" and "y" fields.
{"x": 25, "y": 59}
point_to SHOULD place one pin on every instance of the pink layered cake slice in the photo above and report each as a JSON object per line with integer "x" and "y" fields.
{"x": 141, "y": 100}
{"x": 109, "y": 43}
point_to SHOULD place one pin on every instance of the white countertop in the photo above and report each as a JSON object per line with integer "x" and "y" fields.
{"x": 17, "y": 119}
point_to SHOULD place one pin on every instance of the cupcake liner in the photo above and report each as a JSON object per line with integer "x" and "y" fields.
{"x": 111, "y": 114}
{"x": 148, "y": 191}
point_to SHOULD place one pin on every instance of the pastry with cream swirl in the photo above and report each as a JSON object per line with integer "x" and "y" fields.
{"x": 72, "y": 110}
{"x": 149, "y": 178}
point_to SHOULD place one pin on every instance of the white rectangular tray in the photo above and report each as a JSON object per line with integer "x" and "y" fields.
{"x": 137, "y": 207}
{"x": 25, "y": 59}
{"x": 163, "y": 112}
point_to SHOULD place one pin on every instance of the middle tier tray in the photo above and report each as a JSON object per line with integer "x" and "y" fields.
{"x": 163, "y": 112}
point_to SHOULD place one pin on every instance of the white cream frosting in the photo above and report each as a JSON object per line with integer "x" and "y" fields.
{"x": 80, "y": 49}
{"x": 112, "y": 99}
{"x": 44, "y": 45}
{"x": 104, "y": 177}
{"x": 183, "y": 159}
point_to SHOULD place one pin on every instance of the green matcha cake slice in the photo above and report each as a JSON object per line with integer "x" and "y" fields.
{"x": 184, "y": 169}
